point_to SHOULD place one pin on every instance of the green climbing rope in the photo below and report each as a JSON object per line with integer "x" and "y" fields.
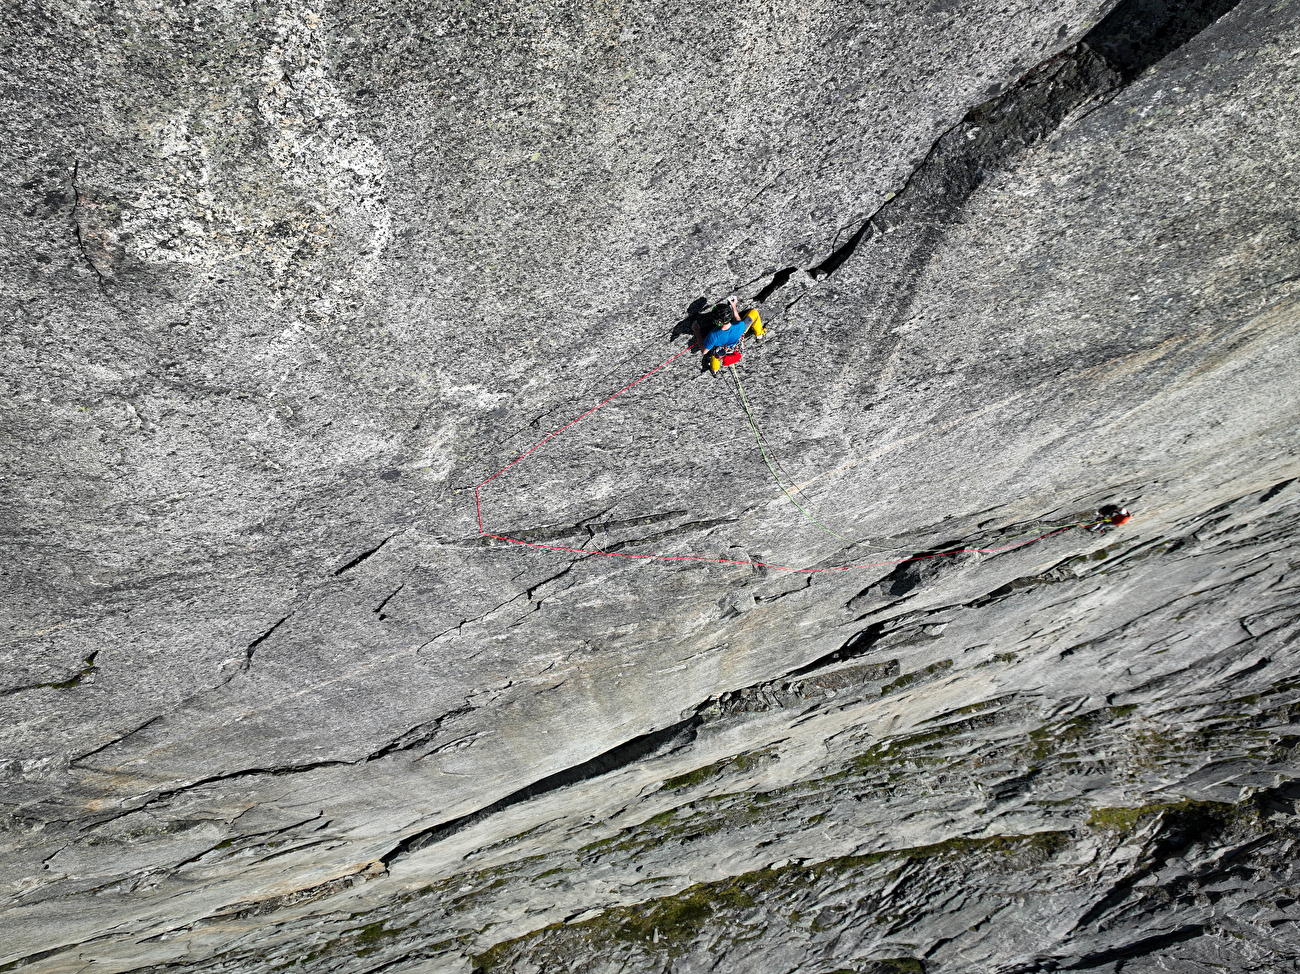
{"x": 762, "y": 448}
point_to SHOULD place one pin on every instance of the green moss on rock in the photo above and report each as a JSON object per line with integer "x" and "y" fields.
{"x": 907, "y": 679}
{"x": 696, "y": 777}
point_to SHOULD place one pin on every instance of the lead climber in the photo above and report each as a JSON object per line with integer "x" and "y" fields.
{"x": 722, "y": 343}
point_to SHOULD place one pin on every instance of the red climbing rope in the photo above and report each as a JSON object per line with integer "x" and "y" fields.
{"x": 542, "y": 442}
{"x": 478, "y": 508}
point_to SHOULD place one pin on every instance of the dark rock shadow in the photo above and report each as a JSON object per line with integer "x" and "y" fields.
{"x": 698, "y": 314}
{"x": 1139, "y": 33}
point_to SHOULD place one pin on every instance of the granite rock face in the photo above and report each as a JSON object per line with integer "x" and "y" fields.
{"x": 284, "y": 281}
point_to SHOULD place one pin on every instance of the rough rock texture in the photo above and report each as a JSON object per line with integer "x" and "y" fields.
{"x": 283, "y": 281}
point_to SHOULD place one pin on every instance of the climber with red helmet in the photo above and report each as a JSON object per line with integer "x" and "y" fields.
{"x": 1110, "y": 516}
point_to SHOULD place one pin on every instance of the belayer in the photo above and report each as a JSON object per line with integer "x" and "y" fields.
{"x": 1110, "y": 516}
{"x": 721, "y": 345}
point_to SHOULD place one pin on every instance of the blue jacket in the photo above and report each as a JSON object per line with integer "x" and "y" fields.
{"x": 722, "y": 337}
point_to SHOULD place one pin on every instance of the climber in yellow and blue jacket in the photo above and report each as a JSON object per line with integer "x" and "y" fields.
{"x": 721, "y": 345}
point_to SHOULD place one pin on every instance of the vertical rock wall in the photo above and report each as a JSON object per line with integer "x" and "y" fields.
{"x": 284, "y": 281}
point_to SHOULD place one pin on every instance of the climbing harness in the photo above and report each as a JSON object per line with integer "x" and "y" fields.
{"x": 1109, "y": 516}
{"x": 478, "y": 498}
{"x": 729, "y": 355}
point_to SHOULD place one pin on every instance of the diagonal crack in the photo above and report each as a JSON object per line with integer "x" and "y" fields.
{"x": 985, "y": 140}
{"x": 87, "y": 668}
{"x": 1064, "y": 88}
{"x": 161, "y": 796}
{"x": 553, "y": 578}
{"x": 419, "y": 735}
{"x": 73, "y": 762}
{"x": 379, "y": 609}
{"x": 365, "y": 554}
{"x": 252, "y": 647}
{"x": 620, "y": 756}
